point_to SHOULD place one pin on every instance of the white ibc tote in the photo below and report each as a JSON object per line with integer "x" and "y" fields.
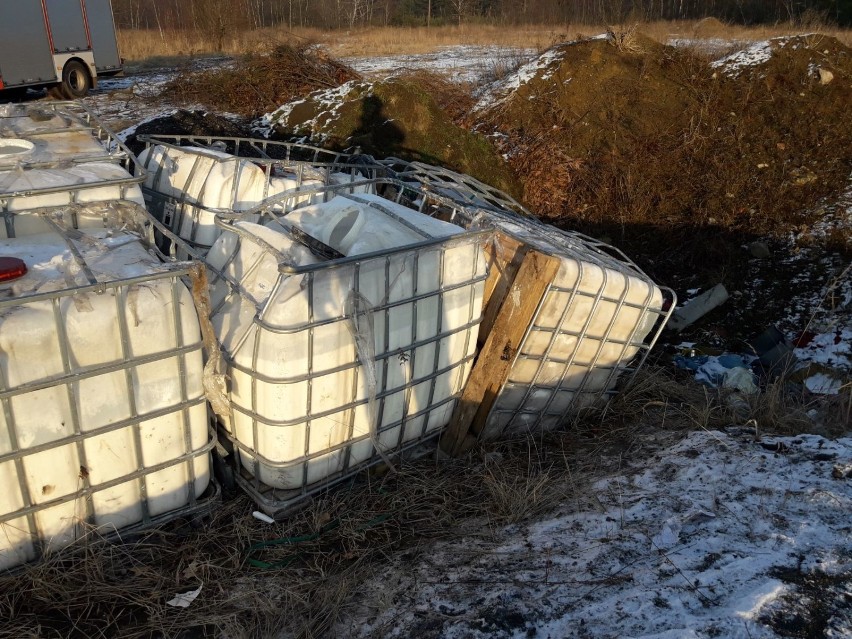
{"x": 46, "y": 133}
{"x": 595, "y": 318}
{"x": 335, "y": 363}
{"x": 103, "y": 419}
{"x": 53, "y": 154}
{"x": 187, "y": 187}
{"x": 598, "y": 319}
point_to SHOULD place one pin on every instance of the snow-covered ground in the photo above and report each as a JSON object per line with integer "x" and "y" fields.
{"x": 464, "y": 63}
{"x": 717, "y": 535}
{"x": 127, "y": 101}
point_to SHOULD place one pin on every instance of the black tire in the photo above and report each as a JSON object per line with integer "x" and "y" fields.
{"x": 76, "y": 81}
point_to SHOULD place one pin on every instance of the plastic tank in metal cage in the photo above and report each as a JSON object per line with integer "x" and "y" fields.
{"x": 597, "y": 319}
{"x": 193, "y": 179}
{"x": 58, "y": 153}
{"x": 34, "y": 135}
{"x": 103, "y": 418}
{"x": 335, "y": 363}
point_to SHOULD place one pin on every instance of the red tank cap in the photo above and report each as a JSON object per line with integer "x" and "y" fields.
{"x": 11, "y": 268}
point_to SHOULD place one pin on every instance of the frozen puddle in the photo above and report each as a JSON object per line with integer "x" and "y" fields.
{"x": 716, "y": 536}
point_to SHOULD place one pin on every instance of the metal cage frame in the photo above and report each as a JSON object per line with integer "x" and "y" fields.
{"x": 504, "y": 213}
{"x": 274, "y": 501}
{"x": 302, "y": 161}
{"x": 177, "y": 275}
{"x": 114, "y": 150}
{"x": 471, "y": 204}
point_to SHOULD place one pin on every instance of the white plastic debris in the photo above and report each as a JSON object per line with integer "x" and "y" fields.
{"x": 698, "y": 307}
{"x": 740, "y": 379}
{"x": 183, "y": 600}
{"x": 266, "y": 519}
{"x": 669, "y": 536}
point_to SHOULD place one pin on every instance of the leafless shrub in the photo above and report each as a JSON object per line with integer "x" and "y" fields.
{"x": 625, "y": 39}
{"x": 258, "y": 83}
{"x": 501, "y": 65}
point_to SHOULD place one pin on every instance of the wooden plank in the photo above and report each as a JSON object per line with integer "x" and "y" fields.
{"x": 504, "y": 255}
{"x": 492, "y": 367}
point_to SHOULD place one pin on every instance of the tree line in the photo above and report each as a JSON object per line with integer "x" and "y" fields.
{"x": 220, "y": 16}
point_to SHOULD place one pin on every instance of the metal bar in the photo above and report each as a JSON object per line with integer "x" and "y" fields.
{"x": 284, "y": 423}
{"x": 184, "y": 392}
{"x": 264, "y": 461}
{"x": 73, "y": 404}
{"x": 141, "y": 474}
{"x": 297, "y": 379}
{"x": 96, "y": 432}
{"x": 177, "y": 269}
{"x": 20, "y": 471}
{"x": 88, "y": 371}
{"x": 124, "y": 332}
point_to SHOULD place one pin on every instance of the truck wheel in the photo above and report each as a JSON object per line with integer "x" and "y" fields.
{"x": 75, "y": 80}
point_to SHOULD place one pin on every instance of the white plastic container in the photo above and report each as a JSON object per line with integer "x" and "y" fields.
{"x": 44, "y": 134}
{"x": 72, "y": 147}
{"x": 599, "y": 317}
{"x": 301, "y": 358}
{"x": 596, "y": 316}
{"x": 189, "y": 186}
{"x": 103, "y": 419}
{"x": 21, "y": 190}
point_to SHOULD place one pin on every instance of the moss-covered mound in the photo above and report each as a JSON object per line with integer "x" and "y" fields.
{"x": 395, "y": 117}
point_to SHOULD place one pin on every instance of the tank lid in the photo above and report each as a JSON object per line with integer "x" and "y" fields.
{"x": 14, "y": 146}
{"x": 11, "y": 268}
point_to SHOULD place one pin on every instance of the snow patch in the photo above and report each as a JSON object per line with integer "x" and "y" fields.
{"x": 735, "y": 63}
{"x": 329, "y": 102}
{"x": 544, "y": 64}
{"x": 590, "y": 569}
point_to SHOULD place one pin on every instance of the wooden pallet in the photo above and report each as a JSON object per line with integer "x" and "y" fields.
{"x": 517, "y": 281}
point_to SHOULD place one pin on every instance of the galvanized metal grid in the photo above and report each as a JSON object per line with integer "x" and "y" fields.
{"x": 504, "y": 213}
{"x": 78, "y": 118}
{"x": 457, "y": 186}
{"x": 174, "y": 276}
{"x": 276, "y": 501}
{"x": 300, "y": 162}
{"x": 481, "y": 206}
{"x": 279, "y": 503}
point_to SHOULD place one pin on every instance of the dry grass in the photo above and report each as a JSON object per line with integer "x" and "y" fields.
{"x": 302, "y": 573}
{"x": 376, "y": 41}
{"x": 258, "y": 578}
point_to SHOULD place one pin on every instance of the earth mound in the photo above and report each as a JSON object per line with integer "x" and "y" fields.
{"x": 183, "y": 122}
{"x": 633, "y": 135}
{"x": 396, "y": 117}
{"x": 257, "y": 82}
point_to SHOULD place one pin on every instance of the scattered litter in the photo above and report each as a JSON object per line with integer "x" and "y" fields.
{"x": 823, "y": 384}
{"x": 698, "y": 307}
{"x": 266, "y": 519}
{"x": 740, "y": 379}
{"x": 183, "y": 600}
{"x": 774, "y": 351}
{"x": 729, "y": 370}
{"x": 669, "y": 536}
